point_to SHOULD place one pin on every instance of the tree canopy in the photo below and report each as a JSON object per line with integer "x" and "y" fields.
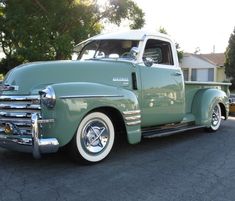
{"x": 230, "y": 59}
{"x": 33, "y": 30}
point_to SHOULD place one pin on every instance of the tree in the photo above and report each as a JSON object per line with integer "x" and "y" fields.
{"x": 162, "y": 30}
{"x": 180, "y": 53}
{"x": 33, "y": 30}
{"x": 230, "y": 59}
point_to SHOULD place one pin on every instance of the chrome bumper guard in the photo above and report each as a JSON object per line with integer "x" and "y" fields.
{"x": 34, "y": 145}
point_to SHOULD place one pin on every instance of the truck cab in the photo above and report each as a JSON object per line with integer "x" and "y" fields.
{"x": 127, "y": 83}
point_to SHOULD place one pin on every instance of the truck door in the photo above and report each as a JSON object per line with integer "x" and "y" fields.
{"x": 162, "y": 85}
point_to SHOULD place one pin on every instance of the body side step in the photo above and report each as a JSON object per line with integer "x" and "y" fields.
{"x": 166, "y": 132}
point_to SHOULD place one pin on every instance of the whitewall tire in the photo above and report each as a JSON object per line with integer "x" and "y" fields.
{"x": 215, "y": 118}
{"x": 94, "y": 138}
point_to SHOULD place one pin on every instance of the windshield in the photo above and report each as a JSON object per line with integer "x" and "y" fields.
{"x": 113, "y": 49}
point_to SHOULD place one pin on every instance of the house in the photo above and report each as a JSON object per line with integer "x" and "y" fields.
{"x": 204, "y": 67}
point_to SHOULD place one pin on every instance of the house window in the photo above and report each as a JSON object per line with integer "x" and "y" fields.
{"x": 211, "y": 74}
{"x": 186, "y": 74}
{"x": 203, "y": 75}
{"x": 194, "y": 75}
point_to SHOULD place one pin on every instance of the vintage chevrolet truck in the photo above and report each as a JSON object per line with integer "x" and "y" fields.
{"x": 126, "y": 83}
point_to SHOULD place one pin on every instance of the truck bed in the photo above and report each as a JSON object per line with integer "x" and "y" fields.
{"x": 192, "y": 87}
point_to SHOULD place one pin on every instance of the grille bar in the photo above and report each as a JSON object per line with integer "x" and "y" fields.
{"x": 19, "y": 106}
{"x": 20, "y": 98}
{"x": 17, "y": 110}
{"x": 15, "y": 114}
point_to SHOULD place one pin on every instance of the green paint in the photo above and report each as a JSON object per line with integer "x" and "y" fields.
{"x": 83, "y": 86}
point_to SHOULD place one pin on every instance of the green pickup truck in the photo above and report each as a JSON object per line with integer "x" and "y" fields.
{"x": 120, "y": 84}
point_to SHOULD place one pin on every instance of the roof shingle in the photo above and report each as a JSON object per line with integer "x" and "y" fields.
{"x": 217, "y": 58}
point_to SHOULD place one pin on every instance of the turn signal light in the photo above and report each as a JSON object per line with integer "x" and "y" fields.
{"x": 8, "y": 129}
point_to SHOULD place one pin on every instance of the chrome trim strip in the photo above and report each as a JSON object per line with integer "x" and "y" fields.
{"x": 22, "y": 106}
{"x": 20, "y": 98}
{"x": 35, "y": 136}
{"x": 14, "y": 120}
{"x": 208, "y": 83}
{"x": 20, "y": 124}
{"x": 39, "y": 146}
{"x": 46, "y": 121}
{"x": 49, "y": 145}
{"x": 133, "y": 123}
{"x": 90, "y": 96}
{"x": 133, "y": 118}
{"x": 132, "y": 112}
{"x": 16, "y": 114}
{"x": 17, "y": 110}
{"x": 25, "y": 122}
{"x": 34, "y": 144}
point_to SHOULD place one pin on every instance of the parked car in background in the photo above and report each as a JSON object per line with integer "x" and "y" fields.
{"x": 232, "y": 104}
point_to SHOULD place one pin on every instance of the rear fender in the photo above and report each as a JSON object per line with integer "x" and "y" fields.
{"x": 203, "y": 102}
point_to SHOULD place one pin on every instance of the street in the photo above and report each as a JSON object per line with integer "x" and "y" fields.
{"x": 190, "y": 166}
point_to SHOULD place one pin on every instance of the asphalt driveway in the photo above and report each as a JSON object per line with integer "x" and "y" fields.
{"x": 192, "y": 166}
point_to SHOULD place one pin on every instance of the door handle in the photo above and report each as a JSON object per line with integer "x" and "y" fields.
{"x": 177, "y": 74}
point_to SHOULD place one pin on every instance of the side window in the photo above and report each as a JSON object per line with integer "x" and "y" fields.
{"x": 159, "y": 51}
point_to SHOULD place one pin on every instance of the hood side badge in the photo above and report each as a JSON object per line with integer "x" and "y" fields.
{"x": 9, "y": 88}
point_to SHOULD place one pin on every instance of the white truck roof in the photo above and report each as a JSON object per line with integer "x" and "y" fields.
{"x": 129, "y": 35}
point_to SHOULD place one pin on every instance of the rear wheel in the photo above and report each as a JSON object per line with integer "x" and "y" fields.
{"x": 94, "y": 138}
{"x": 215, "y": 118}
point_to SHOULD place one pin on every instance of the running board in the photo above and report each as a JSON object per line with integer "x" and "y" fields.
{"x": 166, "y": 132}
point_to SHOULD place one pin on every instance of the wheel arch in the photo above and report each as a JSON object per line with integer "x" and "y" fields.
{"x": 116, "y": 116}
{"x": 75, "y": 100}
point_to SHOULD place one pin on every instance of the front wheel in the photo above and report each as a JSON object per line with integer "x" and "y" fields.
{"x": 94, "y": 138}
{"x": 215, "y": 118}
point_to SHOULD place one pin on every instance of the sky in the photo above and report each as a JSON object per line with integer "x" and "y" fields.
{"x": 206, "y": 24}
{"x": 192, "y": 23}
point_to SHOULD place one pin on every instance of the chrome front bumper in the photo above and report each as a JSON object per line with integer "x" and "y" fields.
{"x": 35, "y": 144}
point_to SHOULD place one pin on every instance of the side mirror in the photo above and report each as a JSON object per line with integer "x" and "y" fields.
{"x": 134, "y": 51}
{"x": 148, "y": 61}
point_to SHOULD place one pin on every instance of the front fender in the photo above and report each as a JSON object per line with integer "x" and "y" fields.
{"x": 75, "y": 100}
{"x": 203, "y": 102}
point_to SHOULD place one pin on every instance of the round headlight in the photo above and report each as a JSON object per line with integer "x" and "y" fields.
{"x": 48, "y": 97}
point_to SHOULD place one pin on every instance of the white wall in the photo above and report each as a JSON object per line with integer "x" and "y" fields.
{"x": 192, "y": 61}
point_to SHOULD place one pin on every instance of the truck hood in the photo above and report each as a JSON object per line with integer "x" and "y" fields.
{"x": 32, "y": 77}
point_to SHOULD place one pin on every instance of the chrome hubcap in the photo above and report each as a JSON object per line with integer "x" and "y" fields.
{"x": 215, "y": 116}
{"x": 95, "y": 136}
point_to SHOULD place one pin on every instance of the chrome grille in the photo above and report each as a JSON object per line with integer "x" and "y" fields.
{"x": 17, "y": 111}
